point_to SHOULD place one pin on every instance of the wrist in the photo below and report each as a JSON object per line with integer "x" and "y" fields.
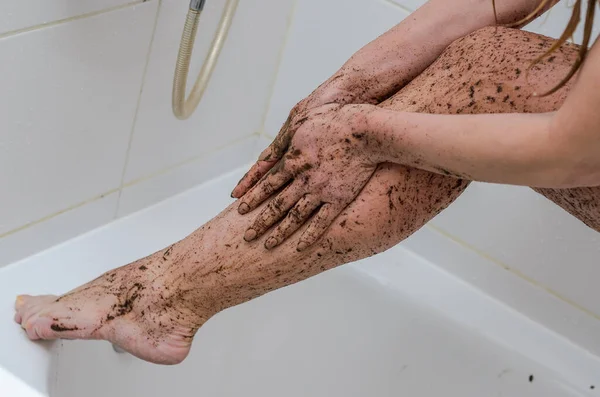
{"x": 363, "y": 120}
{"x": 349, "y": 85}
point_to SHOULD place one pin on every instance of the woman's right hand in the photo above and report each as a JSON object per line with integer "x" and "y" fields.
{"x": 329, "y": 92}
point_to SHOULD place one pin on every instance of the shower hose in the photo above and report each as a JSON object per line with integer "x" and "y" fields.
{"x": 183, "y": 108}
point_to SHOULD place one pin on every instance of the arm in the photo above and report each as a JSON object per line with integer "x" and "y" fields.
{"x": 552, "y": 150}
{"x": 402, "y": 53}
{"x": 385, "y": 65}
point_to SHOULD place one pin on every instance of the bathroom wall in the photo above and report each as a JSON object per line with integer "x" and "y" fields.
{"x": 511, "y": 227}
{"x": 86, "y": 129}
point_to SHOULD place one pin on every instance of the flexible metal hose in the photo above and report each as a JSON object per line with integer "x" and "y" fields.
{"x": 183, "y": 108}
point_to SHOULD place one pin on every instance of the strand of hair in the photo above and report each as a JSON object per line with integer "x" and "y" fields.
{"x": 587, "y": 35}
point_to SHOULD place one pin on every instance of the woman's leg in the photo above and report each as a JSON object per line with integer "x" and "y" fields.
{"x": 153, "y": 307}
{"x": 492, "y": 66}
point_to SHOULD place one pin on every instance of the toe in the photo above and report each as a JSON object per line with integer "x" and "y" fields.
{"x": 40, "y": 327}
{"x": 31, "y": 329}
{"x": 20, "y": 301}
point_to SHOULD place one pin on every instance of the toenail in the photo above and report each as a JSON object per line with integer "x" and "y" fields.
{"x": 243, "y": 209}
{"x": 250, "y": 235}
{"x": 271, "y": 243}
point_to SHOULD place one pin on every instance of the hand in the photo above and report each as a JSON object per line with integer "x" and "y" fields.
{"x": 327, "y": 165}
{"x": 335, "y": 90}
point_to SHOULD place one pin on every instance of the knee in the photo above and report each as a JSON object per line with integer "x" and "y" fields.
{"x": 478, "y": 37}
{"x": 476, "y": 48}
{"x": 488, "y": 32}
{"x": 482, "y": 38}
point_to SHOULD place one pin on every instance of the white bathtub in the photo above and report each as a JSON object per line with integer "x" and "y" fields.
{"x": 394, "y": 325}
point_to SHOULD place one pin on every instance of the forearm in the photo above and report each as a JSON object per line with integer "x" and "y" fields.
{"x": 385, "y": 65}
{"x": 517, "y": 149}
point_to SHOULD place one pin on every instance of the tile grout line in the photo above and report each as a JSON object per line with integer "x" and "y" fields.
{"x": 137, "y": 110}
{"x": 291, "y": 18}
{"x": 70, "y": 19}
{"x": 54, "y": 215}
{"x": 398, "y": 5}
{"x": 515, "y": 272}
{"x": 190, "y": 160}
{"x": 281, "y": 56}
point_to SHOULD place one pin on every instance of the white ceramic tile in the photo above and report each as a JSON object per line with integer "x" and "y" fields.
{"x": 531, "y": 235}
{"x": 551, "y": 24}
{"x": 65, "y": 226}
{"x": 409, "y": 4}
{"x": 172, "y": 182}
{"x": 69, "y": 94}
{"x": 262, "y": 143}
{"x": 323, "y": 36}
{"x": 554, "y": 22}
{"x": 236, "y": 98}
{"x": 501, "y": 284}
{"x": 18, "y": 14}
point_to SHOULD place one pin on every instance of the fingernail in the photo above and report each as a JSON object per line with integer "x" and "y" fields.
{"x": 265, "y": 154}
{"x": 250, "y": 235}
{"x": 232, "y": 196}
{"x": 243, "y": 209}
{"x": 271, "y": 243}
{"x": 302, "y": 246}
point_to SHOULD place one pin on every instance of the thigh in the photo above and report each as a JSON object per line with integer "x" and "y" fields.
{"x": 484, "y": 72}
{"x": 487, "y": 72}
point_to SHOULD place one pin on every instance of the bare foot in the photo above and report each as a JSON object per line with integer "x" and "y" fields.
{"x": 130, "y": 307}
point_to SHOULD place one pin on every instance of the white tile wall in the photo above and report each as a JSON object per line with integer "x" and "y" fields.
{"x": 409, "y": 4}
{"x": 554, "y": 22}
{"x": 183, "y": 177}
{"x": 57, "y": 229}
{"x": 500, "y": 283}
{"x": 69, "y": 94}
{"x": 551, "y": 24}
{"x": 524, "y": 230}
{"x": 324, "y": 34}
{"x": 531, "y": 235}
{"x": 75, "y": 76}
{"x": 236, "y": 98}
{"x": 19, "y": 14}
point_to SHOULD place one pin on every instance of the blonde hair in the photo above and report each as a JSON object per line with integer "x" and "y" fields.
{"x": 568, "y": 33}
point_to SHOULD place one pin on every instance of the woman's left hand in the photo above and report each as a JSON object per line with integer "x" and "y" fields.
{"x": 328, "y": 163}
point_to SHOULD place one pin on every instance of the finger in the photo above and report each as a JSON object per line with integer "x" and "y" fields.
{"x": 272, "y": 182}
{"x": 258, "y": 170}
{"x": 297, "y": 216}
{"x": 317, "y": 227}
{"x": 280, "y": 144}
{"x": 267, "y": 159}
{"x": 274, "y": 211}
